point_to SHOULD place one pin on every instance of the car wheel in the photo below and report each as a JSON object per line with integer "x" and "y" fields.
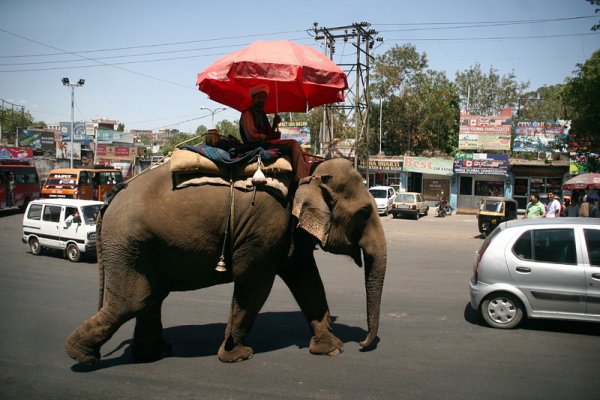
{"x": 416, "y": 216}
{"x": 35, "y": 246}
{"x": 502, "y": 310}
{"x": 73, "y": 253}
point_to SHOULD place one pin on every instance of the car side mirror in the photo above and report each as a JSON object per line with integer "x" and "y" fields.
{"x": 77, "y": 220}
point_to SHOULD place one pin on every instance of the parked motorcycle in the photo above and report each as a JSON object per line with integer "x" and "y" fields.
{"x": 443, "y": 208}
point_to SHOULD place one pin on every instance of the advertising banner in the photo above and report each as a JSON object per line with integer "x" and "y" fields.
{"x": 108, "y": 136}
{"x": 481, "y": 164}
{"x": 64, "y": 150}
{"x": 16, "y": 153}
{"x": 79, "y": 128}
{"x": 299, "y": 131}
{"x": 37, "y": 139}
{"x": 426, "y": 165}
{"x": 537, "y": 136}
{"x": 477, "y": 132}
{"x": 116, "y": 152}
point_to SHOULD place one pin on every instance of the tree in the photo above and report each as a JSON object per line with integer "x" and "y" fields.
{"x": 11, "y": 119}
{"x": 201, "y": 130}
{"x": 545, "y": 103}
{"x": 121, "y": 127}
{"x": 583, "y": 103}
{"x": 420, "y": 107}
{"x": 227, "y": 128}
{"x": 488, "y": 94}
{"x": 595, "y": 3}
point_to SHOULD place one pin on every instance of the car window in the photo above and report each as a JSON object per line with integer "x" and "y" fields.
{"x": 592, "y": 241}
{"x": 547, "y": 245}
{"x": 51, "y": 213}
{"x": 35, "y": 212}
{"x": 378, "y": 193}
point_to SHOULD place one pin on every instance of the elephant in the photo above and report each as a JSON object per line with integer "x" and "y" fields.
{"x": 152, "y": 239}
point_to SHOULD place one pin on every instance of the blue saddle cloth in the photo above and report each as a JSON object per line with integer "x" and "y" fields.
{"x": 229, "y": 152}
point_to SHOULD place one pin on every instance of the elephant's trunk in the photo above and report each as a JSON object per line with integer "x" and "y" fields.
{"x": 375, "y": 262}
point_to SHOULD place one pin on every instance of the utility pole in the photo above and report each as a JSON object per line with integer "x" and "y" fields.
{"x": 357, "y": 103}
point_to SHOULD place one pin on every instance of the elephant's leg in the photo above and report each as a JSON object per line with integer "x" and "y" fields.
{"x": 127, "y": 293}
{"x": 305, "y": 283}
{"x": 248, "y": 299}
{"x": 148, "y": 341}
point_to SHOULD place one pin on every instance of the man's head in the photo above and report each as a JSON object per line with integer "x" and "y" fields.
{"x": 259, "y": 95}
{"x": 534, "y": 198}
{"x": 550, "y": 196}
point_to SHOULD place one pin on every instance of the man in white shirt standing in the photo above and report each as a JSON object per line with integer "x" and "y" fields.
{"x": 553, "y": 207}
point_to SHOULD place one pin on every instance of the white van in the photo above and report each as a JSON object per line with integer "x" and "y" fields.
{"x": 64, "y": 224}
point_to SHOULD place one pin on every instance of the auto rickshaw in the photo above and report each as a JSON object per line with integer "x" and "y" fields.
{"x": 493, "y": 211}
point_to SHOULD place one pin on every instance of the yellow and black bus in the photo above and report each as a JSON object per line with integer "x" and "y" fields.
{"x": 81, "y": 183}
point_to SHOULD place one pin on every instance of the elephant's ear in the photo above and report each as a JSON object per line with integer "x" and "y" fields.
{"x": 312, "y": 209}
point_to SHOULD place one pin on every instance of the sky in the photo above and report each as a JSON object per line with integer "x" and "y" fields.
{"x": 140, "y": 58}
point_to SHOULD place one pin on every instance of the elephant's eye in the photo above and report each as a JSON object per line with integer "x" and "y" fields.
{"x": 364, "y": 212}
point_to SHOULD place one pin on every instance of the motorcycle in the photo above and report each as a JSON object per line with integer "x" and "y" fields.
{"x": 443, "y": 208}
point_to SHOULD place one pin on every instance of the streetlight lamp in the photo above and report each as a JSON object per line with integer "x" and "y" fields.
{"x": 213, "y": 112}
{"x": 65, "y": 82}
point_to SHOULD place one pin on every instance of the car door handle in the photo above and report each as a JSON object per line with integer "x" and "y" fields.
{"x": 524, "y": 269}
{"x": 596, "y": 276}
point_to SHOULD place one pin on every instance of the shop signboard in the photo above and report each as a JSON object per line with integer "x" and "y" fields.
{"x": 478, "y": 132}
{"x": 541, "y": 136}
{"x": 429, "y": 165}
{"x": 382, "y": 165}
{"x": 298, "y": 131}
{"x": 116, "y": 152}
{"x": 481, "y": 164}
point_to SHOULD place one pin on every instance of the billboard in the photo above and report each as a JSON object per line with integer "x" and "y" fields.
{"x": 108, "y": 136}
{"x": 299, "y": 131}
{"x": 64, "y": 150}
{"x": 481, "y": 164}
{"x": 78, "y": 127}
{"x": 477, "y": 132}
{"x": 37, "y": 139}
{"x": 538, "y": 136}
{"x": 16, "y": 153}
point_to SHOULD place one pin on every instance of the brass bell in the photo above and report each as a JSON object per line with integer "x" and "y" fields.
{"x": 221, "y": 265}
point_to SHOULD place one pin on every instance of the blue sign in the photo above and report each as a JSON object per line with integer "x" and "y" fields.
{"x": 481, "y": 164}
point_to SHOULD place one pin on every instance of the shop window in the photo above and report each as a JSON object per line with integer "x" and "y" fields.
{"x": 489, "y": 188}
{"x": 466, "y": 185}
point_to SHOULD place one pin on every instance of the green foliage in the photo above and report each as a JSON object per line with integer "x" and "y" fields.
{"x": 201, "y": 130}
{"x": 583, "y": 103}
{"x": 121, "y": 127}
{"x": 227, "y": 128}
{"x": 488, "y": 93}
{"x": 420, "y": 107}
{"x": 178, "y": 139}
{"x": 595, "y": 3}
{"x": 11, "y": 119}
{"x": 545, "y": 103}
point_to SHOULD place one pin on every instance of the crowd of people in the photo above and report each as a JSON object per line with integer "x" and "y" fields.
{"x": 585, "y": 206}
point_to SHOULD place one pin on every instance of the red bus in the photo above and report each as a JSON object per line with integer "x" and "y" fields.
{"x": 19, "y": 184}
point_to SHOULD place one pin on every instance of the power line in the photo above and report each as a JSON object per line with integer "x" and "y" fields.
{"x": 493, "y": 37}
{"x": 476, "y": 24}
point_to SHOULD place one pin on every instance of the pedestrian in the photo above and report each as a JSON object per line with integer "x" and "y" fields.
{"x": 584, "y": 209}
{"x": 535, "y": 209}
{"x": 10, "y": 199}
{"x": 594, "y": 206}
{"x": 573, "y": 208}
{"x": 553, "y": 207}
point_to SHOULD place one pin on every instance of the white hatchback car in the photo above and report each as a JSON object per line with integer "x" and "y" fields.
{"x": 384, "y": 197}
{"x": 539, "y": 268}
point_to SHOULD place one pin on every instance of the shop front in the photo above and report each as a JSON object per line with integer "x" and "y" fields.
{"x": 384, "y": 172}
{"x": 481, "y": 175}
{"x": 429, "y": 175}
{"x": 537, "y": 177}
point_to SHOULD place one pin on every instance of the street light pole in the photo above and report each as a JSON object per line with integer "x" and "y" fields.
{"x": 65, "y": 82}
{"x": 213, "y": 112}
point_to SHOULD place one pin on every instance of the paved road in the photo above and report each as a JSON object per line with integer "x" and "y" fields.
{"x": 431, "y": 345}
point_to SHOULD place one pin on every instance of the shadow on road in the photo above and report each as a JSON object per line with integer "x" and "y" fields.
{"x": 546, "y": 325}
{"x": 272, "y": 331}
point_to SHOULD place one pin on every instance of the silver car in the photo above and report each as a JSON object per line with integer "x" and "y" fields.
{"x": 539, "y": 268}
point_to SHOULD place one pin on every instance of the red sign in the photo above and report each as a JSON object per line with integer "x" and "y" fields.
{"x": 101, "y": 150}
{"x": 16, "y": 153}
{"x": 122, "y": 151}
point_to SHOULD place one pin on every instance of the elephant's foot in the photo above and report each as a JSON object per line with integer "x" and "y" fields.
{"x": 78, "y": 353}
{"x": 236, "y": 353}
{"x": 146, "y": 351}
{"x": 327, "y": 344}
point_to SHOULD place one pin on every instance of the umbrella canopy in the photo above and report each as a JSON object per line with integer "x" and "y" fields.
{"x": 299, "y": 77}
{"x": 583, "y": 182}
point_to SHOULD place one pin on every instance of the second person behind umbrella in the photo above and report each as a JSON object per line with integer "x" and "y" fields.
{"x": 255, "y": 128}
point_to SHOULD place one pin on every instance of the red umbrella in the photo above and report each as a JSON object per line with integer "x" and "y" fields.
{"x": 299, "y": 77}
{"x": 583, "y": 182}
